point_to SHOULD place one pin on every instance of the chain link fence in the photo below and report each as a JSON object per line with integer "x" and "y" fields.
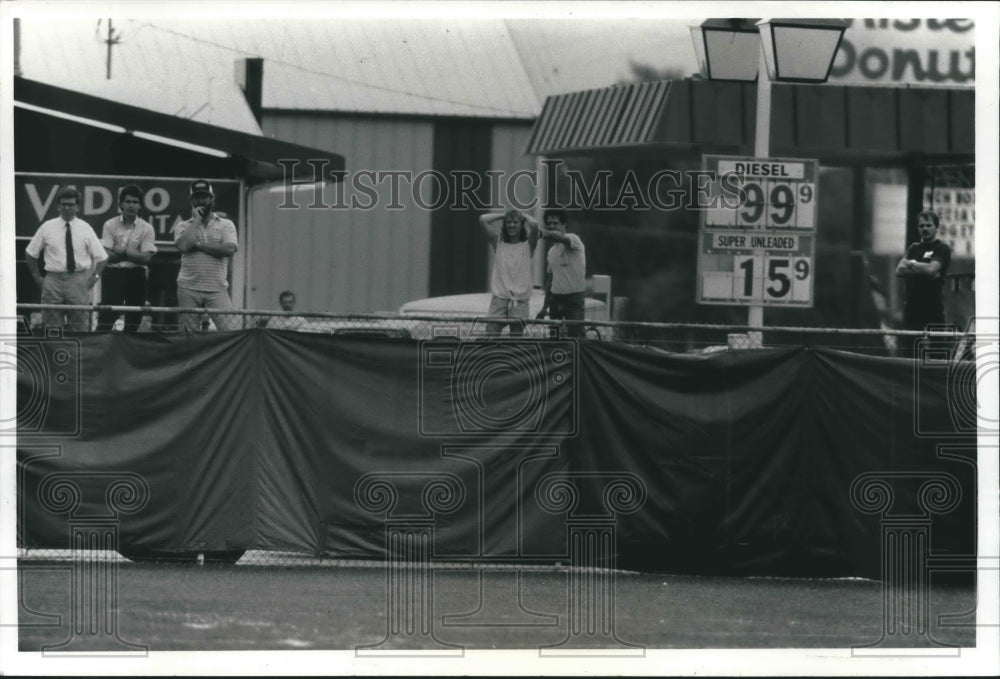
{"x": 675, "y": 338}
{"x": 668, "y": 337}
{"x": 282, "y": 559}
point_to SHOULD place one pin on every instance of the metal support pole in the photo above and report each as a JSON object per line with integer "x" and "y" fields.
{"x": 761, "y": 149}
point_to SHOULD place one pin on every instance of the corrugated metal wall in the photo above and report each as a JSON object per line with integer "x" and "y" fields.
{"x": 360, "y": 260}
{"x": 460, "y": 258}
{"x": 344, "y": 259}
{"x": 510, "y": 154}
{"x": 510, "y": 146}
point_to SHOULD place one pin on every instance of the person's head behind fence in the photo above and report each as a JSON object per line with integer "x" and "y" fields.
{"x": 129, "y": 191}
{"x": 556, "y": 213}
{"x": 514, "y": 229}
{"x": 67, "y": 193}
{"x": 929, "y": 215}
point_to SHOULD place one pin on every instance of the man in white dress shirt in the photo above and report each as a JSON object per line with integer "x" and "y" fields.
{"x": 73, "y": 258}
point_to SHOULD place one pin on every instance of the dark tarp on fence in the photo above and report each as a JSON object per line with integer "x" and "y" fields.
{"x": 734, "y": 463}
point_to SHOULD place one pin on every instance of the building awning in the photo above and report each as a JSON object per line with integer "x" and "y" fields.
{"x": 261, "y": 154}
{"x": 831, "y": 122}
{"x": 617, "y": 116}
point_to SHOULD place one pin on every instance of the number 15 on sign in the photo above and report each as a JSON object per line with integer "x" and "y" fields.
{"x": 768, "y": 279}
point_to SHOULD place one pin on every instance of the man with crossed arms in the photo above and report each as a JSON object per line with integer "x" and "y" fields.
{"x": 128, "y": 238}
{"x": 206, "y": 241}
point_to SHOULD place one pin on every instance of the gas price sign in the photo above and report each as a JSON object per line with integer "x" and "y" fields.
{"x": 758, "y": 232}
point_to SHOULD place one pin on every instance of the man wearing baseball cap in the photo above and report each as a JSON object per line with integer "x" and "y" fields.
{"x": 206, "y": 242}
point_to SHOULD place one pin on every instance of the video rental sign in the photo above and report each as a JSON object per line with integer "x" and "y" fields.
{"x": 165, "y": 200}
{"x": 757, "y": 239}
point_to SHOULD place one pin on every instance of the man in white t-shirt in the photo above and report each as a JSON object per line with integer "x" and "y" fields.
{"x": 565, "y": 283}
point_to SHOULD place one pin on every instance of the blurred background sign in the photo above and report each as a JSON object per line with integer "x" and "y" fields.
{"x": 957, "y": 209}
{"x": 165, "y": 200}
{"x": 907, "y": 52}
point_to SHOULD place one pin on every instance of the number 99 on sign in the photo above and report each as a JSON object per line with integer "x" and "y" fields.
{"x": 769, "y": 203}
{"x": 772, "y": 279}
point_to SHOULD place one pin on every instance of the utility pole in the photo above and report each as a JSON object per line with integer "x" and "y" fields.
{"x": 111, "y": 41}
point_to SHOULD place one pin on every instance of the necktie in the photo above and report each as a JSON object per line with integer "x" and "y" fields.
{"x": 70, "y": 256}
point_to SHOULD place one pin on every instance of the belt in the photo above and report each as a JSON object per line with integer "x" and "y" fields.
{"x": 66, "y": 273}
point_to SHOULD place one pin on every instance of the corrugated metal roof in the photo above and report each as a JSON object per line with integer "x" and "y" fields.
{"x": 290, "y": 88}
{"x": 614, "y": 116}
{"x": 491, "y": 67}
{"x": 150, "y": 68}
{"x": 415, "y": 67}
{"x": 428, "y": 67}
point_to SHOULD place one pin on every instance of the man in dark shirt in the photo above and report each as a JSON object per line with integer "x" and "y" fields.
{"x": 923, "y": 267}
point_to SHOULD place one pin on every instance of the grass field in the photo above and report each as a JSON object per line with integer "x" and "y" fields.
{"x": 186, "y": 607}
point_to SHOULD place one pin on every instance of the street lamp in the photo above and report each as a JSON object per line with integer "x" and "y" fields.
{"x": 795, "y": 50}
{"x": 727, "y": 49}
{"x": 789, "y": 50}
{"x": 800, "y": 50}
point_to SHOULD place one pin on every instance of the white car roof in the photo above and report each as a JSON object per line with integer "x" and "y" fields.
{"x": 475, "y": 304}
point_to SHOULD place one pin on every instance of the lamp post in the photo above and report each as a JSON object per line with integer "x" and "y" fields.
{"x": 787, "y": 50}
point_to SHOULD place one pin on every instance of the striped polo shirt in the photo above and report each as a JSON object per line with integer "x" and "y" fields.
{"x": 200, "y": 270}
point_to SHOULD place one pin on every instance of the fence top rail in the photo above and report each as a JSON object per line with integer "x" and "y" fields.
{"x": 941, "y": 332}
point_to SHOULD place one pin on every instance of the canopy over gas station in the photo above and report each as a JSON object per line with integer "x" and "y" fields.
{"x": 835, "y": 124}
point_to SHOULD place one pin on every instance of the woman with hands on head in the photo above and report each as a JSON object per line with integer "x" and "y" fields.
{"x": 511, "y": 284}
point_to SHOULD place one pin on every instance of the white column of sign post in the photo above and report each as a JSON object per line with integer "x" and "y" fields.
{"x": 539, "y": 262}
{"x": 761, "y": 149}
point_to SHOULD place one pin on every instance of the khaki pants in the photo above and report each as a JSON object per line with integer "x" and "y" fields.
{"x": 66, "y": 288}
{"x": 208, "y": 300}
{"x": 509, "y": 308}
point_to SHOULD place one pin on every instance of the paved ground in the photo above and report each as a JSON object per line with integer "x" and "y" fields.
{"x": 341, "y": 608}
